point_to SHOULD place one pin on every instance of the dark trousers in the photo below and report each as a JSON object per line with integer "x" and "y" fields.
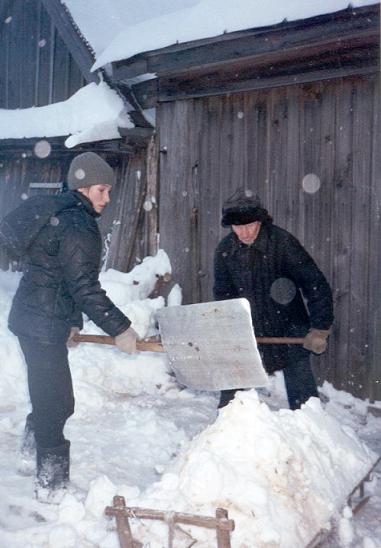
{"x": 299, "y": 380}
{"x": 50, "y": 390}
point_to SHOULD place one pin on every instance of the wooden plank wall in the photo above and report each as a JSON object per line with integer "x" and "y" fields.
{"x": 124, "y": 227}
{"x": 269, "y": 141}
{"x": 128, "y": 226}
{"x": 35, "y": 65}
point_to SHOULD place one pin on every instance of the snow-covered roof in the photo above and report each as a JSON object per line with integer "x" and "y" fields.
{"x": 101, "y": 23}
{"x": 94, "y": 113}
{"x": 119, "y": 29}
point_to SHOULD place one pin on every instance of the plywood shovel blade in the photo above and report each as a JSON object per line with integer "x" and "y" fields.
{"x": 211, "y": 346}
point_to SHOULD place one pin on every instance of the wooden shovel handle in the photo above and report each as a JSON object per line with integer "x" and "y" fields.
{"x": 147, "y": 345}
{"x": 153, "y": 345}
{"x": 280, "y": 340}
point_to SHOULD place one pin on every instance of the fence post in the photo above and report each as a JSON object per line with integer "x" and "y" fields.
{"x": 223, "y": 536}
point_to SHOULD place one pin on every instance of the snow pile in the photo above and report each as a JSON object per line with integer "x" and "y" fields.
{"x": 12, "y": 367}
{"x": 137, "y": 284}
{"x": 93, "y": 113}
{"x": 280, "y": 475}
{"x": 208, "y": 18}
{"x": 136, "y": 433}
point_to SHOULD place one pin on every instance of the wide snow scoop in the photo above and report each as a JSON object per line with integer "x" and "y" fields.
{"x": 210, "y": 346}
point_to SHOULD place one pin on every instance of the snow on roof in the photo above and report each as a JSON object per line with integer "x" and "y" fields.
{"x": 93, "y": 113}
{"x": 107, "y": 18}
{"x": 143, "y": 29}
{"x": 119, "y": 29}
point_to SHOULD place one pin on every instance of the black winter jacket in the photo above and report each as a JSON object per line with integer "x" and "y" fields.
{"x": 288, "y": 294}
{"x": 61, "y": 244}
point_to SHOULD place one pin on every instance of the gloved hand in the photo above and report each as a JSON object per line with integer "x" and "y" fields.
{"x": 316, "y": 340}
{"x": 126, "y": 341}
{"x": 70, "y": 343}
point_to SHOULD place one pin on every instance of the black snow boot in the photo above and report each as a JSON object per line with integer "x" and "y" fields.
{"x": 28, "y": 442}
{"x": 53, "y": 467}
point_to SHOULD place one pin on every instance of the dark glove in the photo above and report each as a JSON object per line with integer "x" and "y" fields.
{"x": 316, "y": 340}
{"x": 126, "y": 341}
{"x": 70, "y": 343}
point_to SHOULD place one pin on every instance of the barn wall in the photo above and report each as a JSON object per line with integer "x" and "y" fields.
{"x": 35, "y": 65}
{"x": 269, "y": 141}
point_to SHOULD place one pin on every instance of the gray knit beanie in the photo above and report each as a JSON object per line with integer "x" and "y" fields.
{"x": 89, "y": 169}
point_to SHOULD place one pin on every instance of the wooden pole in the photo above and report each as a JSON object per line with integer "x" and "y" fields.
{"x": 122, "y": 525}
{"x": 148, "y": 345}
{"x": 223, "y": 535}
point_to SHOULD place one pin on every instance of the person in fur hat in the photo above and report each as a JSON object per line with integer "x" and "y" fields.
{"x": 288, "y": 294}
{"x": 59, "y": 241}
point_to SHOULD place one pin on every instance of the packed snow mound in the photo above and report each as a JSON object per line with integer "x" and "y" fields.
{"x": 281, "y": 475}
{"x": 123, "y": 288}
{"x": 135, "y": 432}
{"x": 130, "y": 292}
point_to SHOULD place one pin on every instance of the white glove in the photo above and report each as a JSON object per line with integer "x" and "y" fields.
{"x": 316, "y": 340}
{"x": 70, "y": 343}
{"x": 126, "y": 341}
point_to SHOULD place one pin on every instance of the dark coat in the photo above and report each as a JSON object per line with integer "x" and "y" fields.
{"x": 288, "y": 294}
{"x": 61, "y": 244}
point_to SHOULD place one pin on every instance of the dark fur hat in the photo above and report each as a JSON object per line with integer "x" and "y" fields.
{"x": 242, "y": 208}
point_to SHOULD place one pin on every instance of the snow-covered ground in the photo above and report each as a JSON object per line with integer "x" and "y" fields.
{"x": 280, "y": 474}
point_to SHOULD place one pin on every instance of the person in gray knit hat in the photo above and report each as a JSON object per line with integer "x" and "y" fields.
{"x": 288, "y": 294}
{"x": 59, "y": 241}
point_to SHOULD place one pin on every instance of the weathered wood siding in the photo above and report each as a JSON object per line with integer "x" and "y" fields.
{"x": 128, "y": 225}
{"x": 124, "y": 224}
{"x": 36, "y": 67}
{"x": 269, "y": 141}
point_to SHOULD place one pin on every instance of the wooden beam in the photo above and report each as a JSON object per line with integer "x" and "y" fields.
{"x": 357, "y": 62}
{"x": 71, "y": 35}
{"x": 270, "y": 82}
{"x": 146, "y": 93}
{"x": 277, "y": 46}
{"x": 136, "y": 115}
{"x": 26, "y": 146}
{"x": 319, "y": 32}
{"x": 137, "y": 135}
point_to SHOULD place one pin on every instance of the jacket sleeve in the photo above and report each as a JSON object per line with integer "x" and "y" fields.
{"x": 304, "y": 272}
{"x": 79, "y": 256}
{"x": 223, "y": 284}
{"x": 76, "y": 318}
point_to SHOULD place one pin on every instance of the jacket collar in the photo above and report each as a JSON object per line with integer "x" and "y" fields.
{"x": 83, "y": 201}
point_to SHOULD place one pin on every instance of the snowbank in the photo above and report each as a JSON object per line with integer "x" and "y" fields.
{"x": 281, "y": 475}
{"x": 136, "y": 433}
